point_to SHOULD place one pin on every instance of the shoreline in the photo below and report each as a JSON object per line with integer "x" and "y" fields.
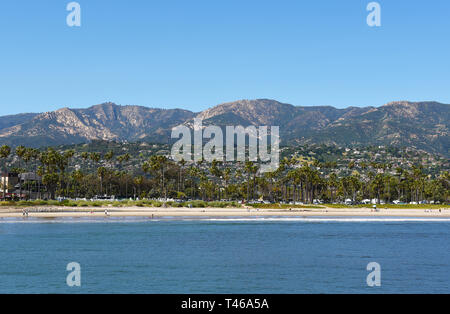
{"x": 158, "y": 212}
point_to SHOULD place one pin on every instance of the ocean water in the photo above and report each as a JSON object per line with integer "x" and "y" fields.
{"x": 241, "y": 255}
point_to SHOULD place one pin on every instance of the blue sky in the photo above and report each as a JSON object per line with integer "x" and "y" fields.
{"x": 195, "y": 54}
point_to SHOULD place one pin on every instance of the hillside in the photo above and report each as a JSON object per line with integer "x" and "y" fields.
{"x": 424, "y": 125}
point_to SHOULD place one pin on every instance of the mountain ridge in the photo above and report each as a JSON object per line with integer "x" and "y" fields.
{"x": 402, "y": 123}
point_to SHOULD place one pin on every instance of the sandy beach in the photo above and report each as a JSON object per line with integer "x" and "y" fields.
{"x": 155, "y": 212}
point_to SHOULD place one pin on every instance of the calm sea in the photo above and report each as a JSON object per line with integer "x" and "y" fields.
{"x": 278, "y": 255}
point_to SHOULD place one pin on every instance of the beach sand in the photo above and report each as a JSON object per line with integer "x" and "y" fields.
{"x": 55, "y": 212}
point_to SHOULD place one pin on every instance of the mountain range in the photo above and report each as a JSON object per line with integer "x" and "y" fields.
{"x": 424, "y": 125}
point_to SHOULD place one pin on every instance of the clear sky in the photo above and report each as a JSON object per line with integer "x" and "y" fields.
{"x": 195, "y": 54}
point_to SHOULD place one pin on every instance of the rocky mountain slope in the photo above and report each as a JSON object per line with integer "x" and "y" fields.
{"x": 421, "y": 124}
{"x": 101, "y": 122}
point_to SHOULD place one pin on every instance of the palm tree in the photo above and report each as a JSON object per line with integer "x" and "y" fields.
{"x": 377, "y": 186}
{"x": 121, "y": 159}
{"x": 194, "y": 174}
{"x": 95, "y": 157}
{"x": 84, "y": 155}
{"x": 77, "y": 177}
{"x": 138, "y": 182}
{"x": 101, "y": 172}
{"x": 20, "y": 152}
{"x": 333, "y": 183}
{"x": 66, "y": 158}
{"x": 217, "y": 173}
{"x": 109, "y": 157}
{"x": 250, "y": 169}
{"x": 181, "y": 164}
{"x": 355, "y": 185}
{"x": 157, "y": 164}
{"x": 35, "y": 155}
{"x": 27, "y": 156}
{"x": 50, "y": 161}
{"x": 226, "y": 178}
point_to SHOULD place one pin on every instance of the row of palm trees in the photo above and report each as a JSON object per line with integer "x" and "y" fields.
{"x": 160, "y": 177}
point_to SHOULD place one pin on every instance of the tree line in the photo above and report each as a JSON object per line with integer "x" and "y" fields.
{"x": 160, "y": 177}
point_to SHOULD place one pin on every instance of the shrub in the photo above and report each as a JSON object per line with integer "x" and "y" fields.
{"x": 197, "y": 204}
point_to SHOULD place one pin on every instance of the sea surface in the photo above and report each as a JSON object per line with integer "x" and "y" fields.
{"x": 238, "y": 255}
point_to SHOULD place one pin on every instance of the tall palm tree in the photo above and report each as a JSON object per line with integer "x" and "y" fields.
{"x": 101, "y": 172}
{"x": 122, "y": 159}
{"x": 109, "y": 157}
{"x": 250, "y": 169}
{"x": 194, "y": 174}
{"x": 181, "y": 165}
{"x": 138, "y": 182}
{"x": 333, "y": 183}
{"x": 20, "y": 152}
{"x": 226, "y": 178}
{"x": 217, "y": 173}
{"x": 27, "y": 157}
{"x": 157, "y": 164}
{"x": 95, "y": 158}
{"x": 50, "y": 161}
{"x": 66, "y": 158}
{"x": 77, "y": 177}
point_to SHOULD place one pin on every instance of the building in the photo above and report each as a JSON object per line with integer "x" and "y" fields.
{"x": 24, "y": 185}
{"x": 29, "y": 186}
{"x": 8, "y": 183}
